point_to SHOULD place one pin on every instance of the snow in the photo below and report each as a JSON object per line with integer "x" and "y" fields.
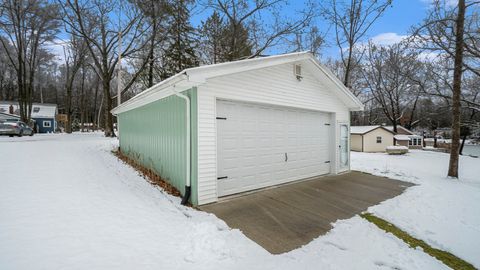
{"x": 401, "y": 137}
{"x": 362, "y": 129}
{"x": 443, "y": 212}
{"x": 67, "y": 203}
{"x": 397, "y": 147}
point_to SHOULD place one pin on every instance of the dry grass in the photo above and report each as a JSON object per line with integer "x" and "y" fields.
{"x": 148, "y": 174}
{"x": 447, "y": 258}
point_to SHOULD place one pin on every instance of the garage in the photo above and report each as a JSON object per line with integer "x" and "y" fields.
{"x": 262, "y": 145}
{"x": 223, "y": 129}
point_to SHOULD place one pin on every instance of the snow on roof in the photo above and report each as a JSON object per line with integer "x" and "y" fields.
{"x": 4, "y": 115}
{"x": 362, "y": 129}
{"x": 398, "y": 127}
{"x": 192, "y": 77}
{"x": 39, "y": 110}
{"x": 402, "y": 137}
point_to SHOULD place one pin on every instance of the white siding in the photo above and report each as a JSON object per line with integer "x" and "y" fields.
{"x": 274, "y": 85}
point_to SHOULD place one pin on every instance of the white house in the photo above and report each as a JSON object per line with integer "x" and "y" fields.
{"x": 371, "y": 138}
{"x": 407, "y": 138}
{"x": 227, "y": 128}
{"x": 378, "y": 138}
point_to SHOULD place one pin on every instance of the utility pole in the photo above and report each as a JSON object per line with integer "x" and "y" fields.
{"x": 119, "y": 75}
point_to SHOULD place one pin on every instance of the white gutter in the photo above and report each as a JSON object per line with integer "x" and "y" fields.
{"x": 187, "y": 143}
{"x": 172, "y": 81}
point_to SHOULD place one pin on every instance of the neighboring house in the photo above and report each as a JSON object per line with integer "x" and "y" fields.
{"x": 370, "y": 138}
{"x": 407, "y": 138}
{"x": 253, "y": 123}
{"x": 377, "y": 138}
{"x": 43, "y": 114}
{"x": 8, "y": 117}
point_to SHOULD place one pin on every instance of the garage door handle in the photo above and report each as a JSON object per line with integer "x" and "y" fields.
{"x": 286, "y": 157}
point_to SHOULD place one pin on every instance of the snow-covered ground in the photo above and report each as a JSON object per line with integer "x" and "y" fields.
{"x": 67, "y": 203}
{"x": 441, "y": 211}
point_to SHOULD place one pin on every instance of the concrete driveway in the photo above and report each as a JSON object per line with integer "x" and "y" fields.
{"x": 286, "y": 217}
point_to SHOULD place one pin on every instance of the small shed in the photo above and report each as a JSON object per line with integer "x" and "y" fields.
{"x": 405, "y": 137}
{"x": 222, "y": 129}
{"x": 43, "y": 114}
{"x": 45, "y": 117}
{"x": 371, "y": 138}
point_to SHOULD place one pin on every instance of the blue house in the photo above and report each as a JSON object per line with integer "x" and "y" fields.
{"x": 43, "y": 114}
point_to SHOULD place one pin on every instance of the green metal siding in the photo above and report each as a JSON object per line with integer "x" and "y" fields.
{"x": 154, "y": 135}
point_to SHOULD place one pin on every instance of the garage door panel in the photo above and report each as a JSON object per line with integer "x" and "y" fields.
{"x": 253, "y": 140}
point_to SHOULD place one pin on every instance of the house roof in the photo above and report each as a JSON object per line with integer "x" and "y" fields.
{"x": 39, "y": 110}
{"x": 198, "y": 75}
{"x": 399, "y": 127}
{"x": 361, "y": 130}
{"x": 4, "y": 115}
{"x": 401, "y": 137}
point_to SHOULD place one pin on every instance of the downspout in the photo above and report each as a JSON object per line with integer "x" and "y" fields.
{"x": 188, "y": 188}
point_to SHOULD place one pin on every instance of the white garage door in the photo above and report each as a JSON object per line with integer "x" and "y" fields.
{"x": 262, "y": 145}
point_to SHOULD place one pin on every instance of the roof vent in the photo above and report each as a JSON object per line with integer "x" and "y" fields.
{"x": 297, "y": 71}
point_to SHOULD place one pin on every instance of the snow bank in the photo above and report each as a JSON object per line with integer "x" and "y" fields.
{"x": 397, "y": 147}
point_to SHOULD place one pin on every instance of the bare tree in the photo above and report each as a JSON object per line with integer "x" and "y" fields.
{"x": 351, "y": 20}
{"x": 453, "y": 34}
{"x": 7, "y": 77}
{"x": 457, "y": 89}
{"x": 94, "y": 22}
{"x": 25, "y": 26}
{"x": 311, "y": 39}
{"x": 242, "y": 14}
{"x": 75, "y": 55}
{"x": 388, "y": 73}
{"x": 437, "y": 34}
{"x": 157, "y": 14}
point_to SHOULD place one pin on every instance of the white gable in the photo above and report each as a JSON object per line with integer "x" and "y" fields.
{"x": 195, "y": 77}
{"x": 362, "y": 129}
{"x": 39, "y": 110}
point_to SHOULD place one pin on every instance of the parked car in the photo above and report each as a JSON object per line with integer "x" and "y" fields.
{"x": 15, "y": 128}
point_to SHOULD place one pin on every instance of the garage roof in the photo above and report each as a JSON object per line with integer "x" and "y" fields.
{"x": 192, "y": 77}
{"x": 360, "y": 130}
{"x": 400, "y": 127}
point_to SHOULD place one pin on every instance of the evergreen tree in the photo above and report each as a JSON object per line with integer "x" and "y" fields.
{"x": 222, "y": 42}
{"x": 180, "y": 51}
{"x": 212, "y": 40}
{"x": 237, "y": 42}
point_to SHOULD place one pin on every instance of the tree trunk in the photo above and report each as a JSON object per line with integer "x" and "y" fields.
{"x": 151, "y": 53}
{"x": 82, "y": 102}
{"x": 108, "y": 107}
{"x": 346, "y": 79}
{"x": 457, "y": 88}
{"x": 95, "y": 123}
{"x": 464, "y": 137}
{"x": 68, "y": 109}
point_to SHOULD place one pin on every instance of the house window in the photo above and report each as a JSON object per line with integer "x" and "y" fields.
{"x": 415, "y": 141}
{"x": 47, "y": 124}
{"x": 379, "y": 139}
{"x": 36, "y": 109}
